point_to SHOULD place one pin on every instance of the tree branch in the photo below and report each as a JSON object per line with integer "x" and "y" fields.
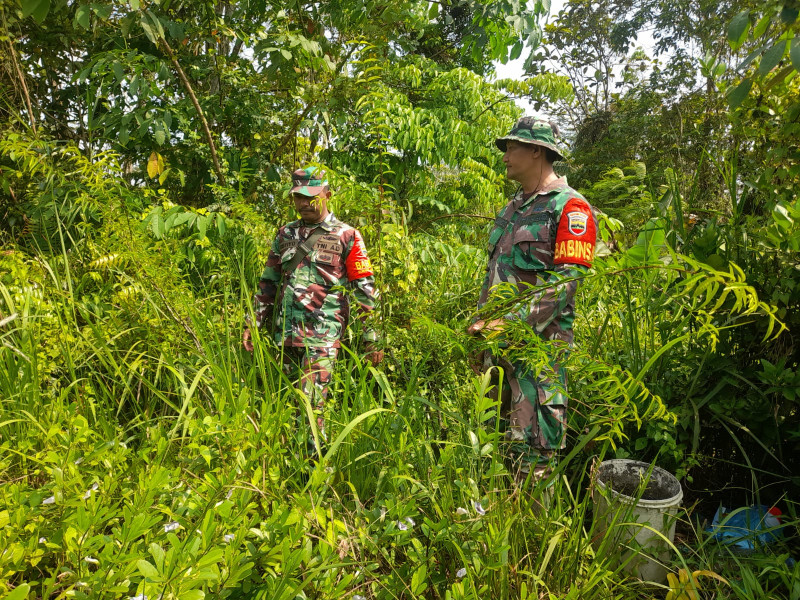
{"x": 22, "y": 82}
{"x": 190, "y": 91}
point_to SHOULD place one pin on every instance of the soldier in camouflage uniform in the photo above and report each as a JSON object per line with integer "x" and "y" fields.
{"x": 544, "y": 235}
{"x": 306, "y": 306}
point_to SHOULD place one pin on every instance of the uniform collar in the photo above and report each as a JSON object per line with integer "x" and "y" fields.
{"x": 328, "y": 223}
{"x": 556, "y": 185}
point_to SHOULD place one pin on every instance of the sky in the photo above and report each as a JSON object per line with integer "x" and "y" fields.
{"x": 514, "y": 70}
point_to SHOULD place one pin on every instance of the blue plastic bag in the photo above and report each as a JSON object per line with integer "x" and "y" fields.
{"x": 747, "y": 528}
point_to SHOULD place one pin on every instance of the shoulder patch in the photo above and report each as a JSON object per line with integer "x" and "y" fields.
{"x": 357, "y": 262}
{"x": 576, "y": 235}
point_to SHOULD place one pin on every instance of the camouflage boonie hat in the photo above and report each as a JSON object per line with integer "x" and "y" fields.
{"x": 530, "y": 130}
{"x": 309, "y": 182}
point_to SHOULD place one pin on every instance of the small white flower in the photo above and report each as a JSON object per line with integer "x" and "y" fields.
{"x": 462, "y": 511}
{"x": 88, "y": 493}
{"x": 229, "y": 495}
{"x": 50, "y": 500}
{"x": 171, "y": 526}
{"x": 139, "y": 597}
{"x": 218, "y": 504}
{"x": 91, "y": 561}
{"x": 77, "y": 461}
{"x": 42, "y": 540}
{"x": 410, "y": 521}
{"x": 359, "y": 597}
{"x": 462, "y": 572}
{"x": 478, "y": 508}
{"x": 401, "y": 526}
{"x": 229, "y": 537}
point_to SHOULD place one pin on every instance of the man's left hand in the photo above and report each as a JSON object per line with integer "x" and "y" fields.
{"x": 485, "y": 327}
{"x": 374, "y": 356}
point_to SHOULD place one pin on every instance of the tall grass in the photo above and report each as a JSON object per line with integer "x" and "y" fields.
{"x": 144, "y": 453}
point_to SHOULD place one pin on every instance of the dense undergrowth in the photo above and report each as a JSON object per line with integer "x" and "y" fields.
{"x": 145, "y": 454}
{"x": 143, "y": 146}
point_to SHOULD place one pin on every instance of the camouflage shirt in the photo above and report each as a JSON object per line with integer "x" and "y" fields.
{"x": 540, "y": 239}
{"x": 310, "y": 305}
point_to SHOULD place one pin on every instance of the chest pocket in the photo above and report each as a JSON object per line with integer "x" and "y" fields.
{"x": 533, "y": 245}
{"x": 328, "y": 251}
{"x": 500, "y": 225}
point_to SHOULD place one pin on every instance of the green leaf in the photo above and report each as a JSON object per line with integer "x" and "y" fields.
{"x": 418, "y": 580}
{"x": 192, "y": 595}
{"x": 794, "y": 54}
{"x": 37, "y": 9}
{"x": 737, "y": 30}
{"x": 158, "y": 29}
{"x": 349, "y": 427}
{"x": 761, "y": 26}
{"x": 273, "y": 175}
{"x": 650, "y": 244}
{"x": 19, "y": 593}
{"x": 737, "y": 95}
{"x": 286, "y": 54}
{"x": 103, "y": 11}
{"x": 158, "y": 554}
{"x": 82, "y": 16}
{"x": 772, "y": 57}
{"x": 516, "y": 51}
{"x": 147, "y": 569}
{"x": 119, "y": 72}
{"x": 750, "y": 58}
{"x": 433, "y": 11}
{"x": 789, "y": 15}
{"x": 157, "y": 226}
{"x": 206, "y": 454}
{"x": 160, "y": 136}
{"x": 148, "y": 31}
{"x": 134, "y": 4}
{"x": 715, "y": 261}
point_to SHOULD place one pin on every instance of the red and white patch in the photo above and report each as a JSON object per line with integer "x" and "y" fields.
{"x": 576, "y": 235}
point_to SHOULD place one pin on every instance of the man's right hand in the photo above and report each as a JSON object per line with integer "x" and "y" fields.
{"x": 247, "y": 339}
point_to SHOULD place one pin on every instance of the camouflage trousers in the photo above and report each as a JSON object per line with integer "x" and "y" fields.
{"x": 313, "y": 367}
{"x": 533, "y": 413}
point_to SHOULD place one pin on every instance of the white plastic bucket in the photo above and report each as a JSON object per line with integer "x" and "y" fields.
{"x": 629, "y": 491}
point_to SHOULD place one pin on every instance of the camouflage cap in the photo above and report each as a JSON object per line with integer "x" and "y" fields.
{"x": 309, "y": 181}
{"x": 530, "y": 130}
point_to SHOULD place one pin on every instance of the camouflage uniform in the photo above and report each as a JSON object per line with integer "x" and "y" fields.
{"x": 308, "y": 308}
{"x": 539, "y": 239}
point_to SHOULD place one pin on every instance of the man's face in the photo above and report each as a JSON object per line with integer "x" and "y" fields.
{"x": 521, "y": 159}
{"x": 311, "y": 210}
